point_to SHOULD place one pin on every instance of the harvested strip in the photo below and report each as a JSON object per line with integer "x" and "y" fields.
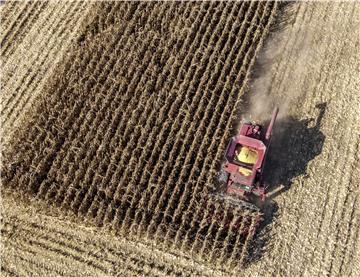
{"x": 44, "y": 245}
{"x": 33, "y": 53}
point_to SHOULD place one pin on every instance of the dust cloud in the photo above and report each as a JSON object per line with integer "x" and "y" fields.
{"x": 264, "y": 95}
{"x": 262, "y": 101}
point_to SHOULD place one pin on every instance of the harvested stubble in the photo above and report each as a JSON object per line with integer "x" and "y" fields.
{"x": 132, "y": 128}
{"x": 35, "y": 36}
{"x": 317, "y": 230}
{"x": 40, "y": 241}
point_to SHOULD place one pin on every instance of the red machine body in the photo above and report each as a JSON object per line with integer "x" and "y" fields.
{"x": 252, "y": 137}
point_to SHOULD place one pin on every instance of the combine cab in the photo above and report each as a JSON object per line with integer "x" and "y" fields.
{"x": 245, "y": 159}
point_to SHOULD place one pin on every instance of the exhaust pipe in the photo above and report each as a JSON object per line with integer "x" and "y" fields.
{"x": 271, "y": 124}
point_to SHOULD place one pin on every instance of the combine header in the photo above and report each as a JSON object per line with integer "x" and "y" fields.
{"x": 242, "y": 172}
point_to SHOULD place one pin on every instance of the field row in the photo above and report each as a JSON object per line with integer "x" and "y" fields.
{"x": 35, "y": 36}
{"x": 44, "y": 246}
{"x": 133, "y": 132}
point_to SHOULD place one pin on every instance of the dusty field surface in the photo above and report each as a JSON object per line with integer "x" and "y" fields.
{"x": 35, "y": 36}
{"x": 315, "y": 170}
{"x": 135, "y": 147}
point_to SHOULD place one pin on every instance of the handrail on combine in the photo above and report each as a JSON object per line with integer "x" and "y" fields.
{"x": 271, "y": 124}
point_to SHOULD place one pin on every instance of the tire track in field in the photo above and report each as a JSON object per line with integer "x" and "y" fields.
{"x": 313, "y": 104}
{"x": 346, "y": 186}
{"x": 29, "y": 266}
{"x": 12, "y": 11}
{"x": 11, "y": 65}
{"x": 351, "y": 249}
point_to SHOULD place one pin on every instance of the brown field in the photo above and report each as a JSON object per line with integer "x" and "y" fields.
{"x": 315, "y": 231}
{"x": 110, "y": 170}
{"x": 29, "y": 59}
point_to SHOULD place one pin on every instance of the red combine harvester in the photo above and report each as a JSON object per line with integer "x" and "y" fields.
{"x": 245, "y": 158}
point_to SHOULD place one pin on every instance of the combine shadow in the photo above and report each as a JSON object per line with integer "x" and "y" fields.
{"x": 294, "y": 144}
